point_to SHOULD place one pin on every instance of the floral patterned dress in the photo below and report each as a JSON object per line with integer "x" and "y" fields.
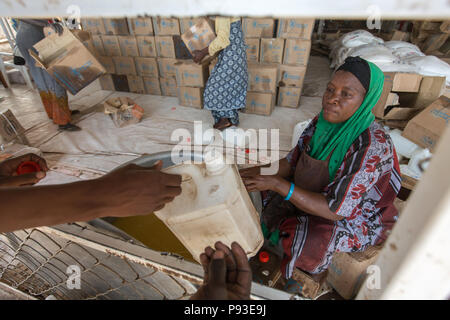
{"x": 363, "y": 192}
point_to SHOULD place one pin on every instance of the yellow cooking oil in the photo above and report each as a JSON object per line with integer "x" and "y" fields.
{"x": 152, "y": 232}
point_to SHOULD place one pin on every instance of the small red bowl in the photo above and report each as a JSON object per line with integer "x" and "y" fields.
{"x": 28, "y": 167}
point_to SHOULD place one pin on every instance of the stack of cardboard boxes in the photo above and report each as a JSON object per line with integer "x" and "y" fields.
{"x": 148, "y": 55}
{"x": 432, "y": 37}
{"x": 139, "y": 55}
{"x": 278, "y": 53}
{"x": 404, "y": 95}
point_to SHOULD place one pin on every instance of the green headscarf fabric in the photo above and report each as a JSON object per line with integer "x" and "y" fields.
{"x": 340, "y": 136}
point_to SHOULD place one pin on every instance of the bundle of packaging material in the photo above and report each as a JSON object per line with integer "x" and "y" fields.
{"x": 390, "y": 56}
{"x": 123, "y": 111}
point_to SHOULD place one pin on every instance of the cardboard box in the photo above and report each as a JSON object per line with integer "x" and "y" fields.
{"x": 123, "y": 111}
{"x": 190, "y": 97}
{"x": 142, "y": 26}
{"x": 199, "y": 36}
{"x": 191, "y": 74}
{"x": 120, "y": 82}
{"x": 166, "y": 67}
{"x": 152, "y": 86}
{"x": 291, "y": 76}
{"x": 262, "y": 78}
{"x": 147, "y": 67}
{"x": 258, "y": 28}
{"x": 181, "y": 51}
{"x": 406, "y": 91}
{"x": 260, "y": 103}
{"x": 348, "y": 271}
{"x": 128, "y": 46}
{"x": 289, "y": 97}
{"x": 445, "y": 26}
{"x": 271, "y": 50}
{"x": 430, "y": 90}
{"x": 166, "y": 26}
{"x": 430, "y": 25}
{"x": 400, "y": 36}
{"x": 434, "y": 42}
{"x": 125, "y": 65}
{"x": 106, "y": 82}
{"x": 404, "y": 82}
{"x": 165, "y": 47}
{"x": 111, "y": 46}
{"x": 168, "y": 86}
{"x": 136, "y": 84}
{"x": 86, "y": 38}
{"x": 187, "y": 23}
{"x": 295, "y": 28}
{"x": 108, "y": 64}
{"x": 426, "y": 128}
{"x": 116, "y": 26}
{"x": 67, "y": 60}
{"x": 95, "y": 26}
{"x": 296, "y": 52}
{"x": 252, "y": 49}
{"x": 98, "y": 45}
{"x": 146, "y": 46}
{"x": 10, "y": 128}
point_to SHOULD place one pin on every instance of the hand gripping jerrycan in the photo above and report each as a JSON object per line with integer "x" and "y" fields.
{"x": 213, "y": 206}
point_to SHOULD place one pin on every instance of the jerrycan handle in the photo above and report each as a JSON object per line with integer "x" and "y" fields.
{"x": 189, "y": 170}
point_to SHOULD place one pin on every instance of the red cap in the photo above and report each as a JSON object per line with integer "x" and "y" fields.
{"x": 264, "y": 256}
{"x": 28, "y": 167}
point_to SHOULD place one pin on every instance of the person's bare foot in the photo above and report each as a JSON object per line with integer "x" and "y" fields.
{"x": 222, "y": 124}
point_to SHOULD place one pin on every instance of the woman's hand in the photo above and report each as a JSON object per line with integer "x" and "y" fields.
{"x": 261, "y": 182}
{"x": 250, "y": 172}
{"x": 9, "y": 176}
{"x": 198, "y": 55}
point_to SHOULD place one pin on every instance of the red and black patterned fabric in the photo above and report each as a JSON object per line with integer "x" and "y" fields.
{"x": 363, "y": 191}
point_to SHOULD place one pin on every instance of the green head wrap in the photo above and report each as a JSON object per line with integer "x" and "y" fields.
{"x": 340, "y": 136}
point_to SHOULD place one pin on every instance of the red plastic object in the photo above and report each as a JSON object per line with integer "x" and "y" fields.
{"x": 28, "y": 167}
{"x": 264, "y": 256}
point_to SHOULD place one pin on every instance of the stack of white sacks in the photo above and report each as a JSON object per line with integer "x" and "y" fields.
{"x": 390, "y": 56}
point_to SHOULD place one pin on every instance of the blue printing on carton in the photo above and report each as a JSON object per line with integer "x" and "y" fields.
{"x": 290, "y": 76}
{"x": 440, "y": 114}
{"x": 66, "y": 81}
{"x": 262, "y": 80}
{"x": 188, "y": 97}
{"x": 138, "y": 23}
{"x": 253, "y": 103}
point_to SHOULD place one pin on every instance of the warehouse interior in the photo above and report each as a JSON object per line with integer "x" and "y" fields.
{"x": 138, "y": 257}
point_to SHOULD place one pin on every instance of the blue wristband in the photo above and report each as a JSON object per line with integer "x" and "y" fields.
{"x": 291, "y": 191}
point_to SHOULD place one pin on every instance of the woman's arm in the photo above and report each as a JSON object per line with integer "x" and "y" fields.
{"x": 221, "y": 41}
{"x": 310, "y": 202}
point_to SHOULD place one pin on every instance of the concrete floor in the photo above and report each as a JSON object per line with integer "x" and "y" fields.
{"x": 100, "y": 147}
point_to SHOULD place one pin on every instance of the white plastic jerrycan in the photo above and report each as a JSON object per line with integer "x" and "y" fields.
{"x": 213, "y": 206}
